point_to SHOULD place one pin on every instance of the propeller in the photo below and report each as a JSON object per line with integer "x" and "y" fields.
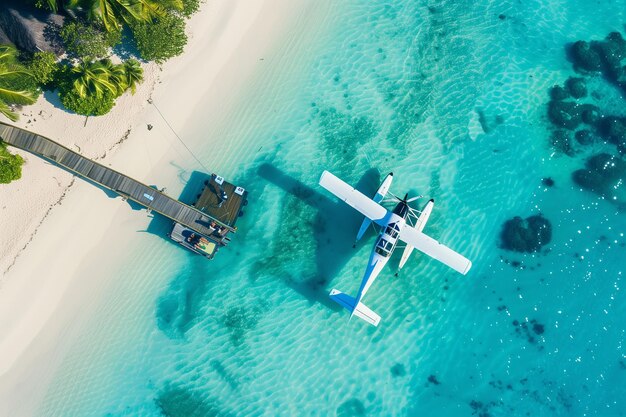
{"x": 406, "y": 198}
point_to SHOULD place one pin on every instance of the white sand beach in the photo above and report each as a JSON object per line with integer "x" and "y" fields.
{"x": 41, "y": 251}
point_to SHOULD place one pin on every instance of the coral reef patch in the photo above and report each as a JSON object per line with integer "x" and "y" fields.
{"x": 603, "y": 175}
{"x": 526, "y": 235}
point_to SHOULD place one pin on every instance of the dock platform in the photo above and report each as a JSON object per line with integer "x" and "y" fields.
{"x": 212, "y": 222}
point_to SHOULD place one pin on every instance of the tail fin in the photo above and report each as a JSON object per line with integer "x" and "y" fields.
{"x": 361, "y": 310}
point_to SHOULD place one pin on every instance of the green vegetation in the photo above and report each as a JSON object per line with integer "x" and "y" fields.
{"x": 10, "y": 165}
{"x": 51, "y": 5}
{"x": 88, "y": 42}
{"x": 190, "y": 7}
{"x": 90, "y": 105}
{"x": 162, "y": 39}
{"x": 113, "y": 14}
{"x": 17, "y": 85}
{"x": 91, "y": 88}
{"x": 133, "y": 74}
{"x": 88, "y": 82}
{"x": 43, "y": 67}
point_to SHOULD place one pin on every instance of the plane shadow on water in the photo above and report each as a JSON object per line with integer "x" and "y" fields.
{"x": 334, "y": 229}
{"x": 336, "y": 225}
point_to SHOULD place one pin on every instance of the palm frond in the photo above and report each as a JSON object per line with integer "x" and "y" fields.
{"x": 8, "y": 54}
{"x": 6, "y": 111}
{"x": 6, "y": 72}
{"x": 133, "y": 73}
{"x": 17, "y": 97}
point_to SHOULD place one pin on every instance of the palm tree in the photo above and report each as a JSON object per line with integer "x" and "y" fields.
{"x": 93, "y": 78}
{"x": 10, "y": 69}
{"x": 51, "y": 5}
{"x": 113, "y": 13}
{"x": 133, "y": 73}
{"x": 117, "y": 76}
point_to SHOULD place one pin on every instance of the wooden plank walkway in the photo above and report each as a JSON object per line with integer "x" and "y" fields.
{"x": 119, "y": 183}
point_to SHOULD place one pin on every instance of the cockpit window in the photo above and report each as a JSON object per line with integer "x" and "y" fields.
{"x": 391, "y": 231}
{"x": 384, "y": 247}
{"x": 382, "y": 252}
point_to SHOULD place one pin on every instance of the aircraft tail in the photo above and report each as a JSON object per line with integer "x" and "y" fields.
{"x": 360, "y": 310}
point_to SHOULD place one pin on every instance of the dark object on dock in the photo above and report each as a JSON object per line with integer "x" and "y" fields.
{"x": 211, "y": 224}
{"x": 221, "y": 199}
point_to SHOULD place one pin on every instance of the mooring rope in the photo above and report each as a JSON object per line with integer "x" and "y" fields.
{"x": 178, "y": 137}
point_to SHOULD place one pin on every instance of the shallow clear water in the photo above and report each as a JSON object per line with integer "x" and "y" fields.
{"x": 451, "y": 98}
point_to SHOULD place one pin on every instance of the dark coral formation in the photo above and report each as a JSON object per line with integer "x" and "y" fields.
{"x": 433, "y": 380}
{"x": 603, "y": 174}
{"x": 176, "y": 401}
{"x": 586, "y": 57}
{"x": 239, "y": 320}
{"x": 351, "y": 408}
{"x": 569, "y": 109}
{"x": 558, "y": 93}
{"x": 613, "y": 128}
{"x": 398, "y": 370}
{"x": 565, "y": 114}
{"x": 601, "y": 56}
{"x": 562, "y": 142}
{"x": 585, "y": 137}
{"x": 529, "y": 329}
{"x": 576, "y": 87}
{"x": 526, "y": 235}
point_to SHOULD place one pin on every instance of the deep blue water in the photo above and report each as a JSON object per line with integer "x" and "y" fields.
{"x": 451, "y": 97}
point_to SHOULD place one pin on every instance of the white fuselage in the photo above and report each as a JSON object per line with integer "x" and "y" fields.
{"x": 383, "y": 248}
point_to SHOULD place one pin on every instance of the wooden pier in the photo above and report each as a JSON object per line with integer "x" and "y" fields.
{"x": 201, "y": 221}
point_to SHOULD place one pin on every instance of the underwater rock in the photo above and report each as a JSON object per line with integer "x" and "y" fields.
{"x": 238, "y": 320}
{"x": 603, "y": 175}
{"x": 351, "y": 408}
{"x": 526, "y": 329}
{"x": 559, "y": 93}
{"x": 585, "y": 56}
{"x": 584, "y": 137}
{"x": 613, "y": 129}
{"x": 613, "y": 50}
{"x": 433, "y": 380}
{"x": 487, "y": 122}
{"x": 481, "y": 409}
{"x": 576, "y": 87}
{"x": 398, "y": 370}
{"x": 538, "y": 328}
{"x": 601, "y": 56}
{"x": 561, "y": 141}
{"x": 564, "y": 114}
{"x": 182, "y": 402}
{"x": 526, "y": 235}
{"x": 590, "y": 114}
{"x": 620, "y": 76}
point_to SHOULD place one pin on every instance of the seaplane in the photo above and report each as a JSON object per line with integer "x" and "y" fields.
{"x": 402, "y": 224}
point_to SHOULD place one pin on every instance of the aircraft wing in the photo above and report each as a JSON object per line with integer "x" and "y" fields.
{"x": 435, "y": 250}
{"x": 351, "y": 196}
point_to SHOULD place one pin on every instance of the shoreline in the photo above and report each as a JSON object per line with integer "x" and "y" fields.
{"x": 37, "y": 294}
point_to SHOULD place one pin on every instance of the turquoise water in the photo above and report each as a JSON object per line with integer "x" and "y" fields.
{"x": 450, "y": 97}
